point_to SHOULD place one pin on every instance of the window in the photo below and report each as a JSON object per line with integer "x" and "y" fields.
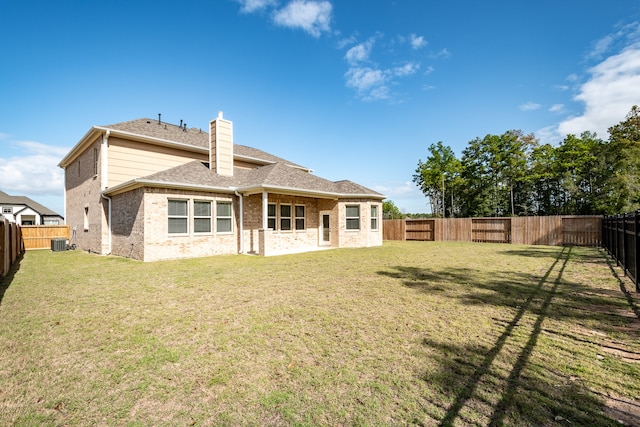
{"x": 285, "y": 217}
{"x": 178, "y": 216}
{"x": 201, "y": 217}
{"x": 95, "y": 161}
{"x": 7, "y": 210}
{"x": 223, "y": 217}
{"x": 353, "y": 217}
{"x": 374, "y": 217}
{"x": 300, "y": 217}
{"x": 271, "y": 216}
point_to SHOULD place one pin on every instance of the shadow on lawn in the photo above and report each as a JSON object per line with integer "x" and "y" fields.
{"x": 529, "y": 393}
{"x": 6, "y": 280}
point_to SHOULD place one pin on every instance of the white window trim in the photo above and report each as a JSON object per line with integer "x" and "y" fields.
{"x": 296, "y": 217}
{"x": 178, "y": 216}
{"x": 290, "y": 217}
{"x": 210, "y": 217}
{"x": 274, "y": 217}
{"x": 230, "y": 217}
{"x": 347, "y": 218}
{"x": 377, "y": 217}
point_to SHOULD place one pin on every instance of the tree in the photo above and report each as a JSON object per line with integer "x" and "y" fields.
{"x": 624, "y": 153}
{"x": 439, "y": 172}
{"x": 390, "y": 210}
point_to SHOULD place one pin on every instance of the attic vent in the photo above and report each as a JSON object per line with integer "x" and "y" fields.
{"x": 184, "y": 129}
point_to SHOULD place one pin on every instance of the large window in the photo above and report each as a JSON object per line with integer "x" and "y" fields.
{"x": 300, "y": 217}
{"x": 374, "y": 217}
{"x": 223, "y": 217}
{"x": 285, "y": 217}
{"x": 271, "y": 216}
{"x": 178, "y": 216}
{"x": 353, "y": 217}
{"x": 201, "y": 217}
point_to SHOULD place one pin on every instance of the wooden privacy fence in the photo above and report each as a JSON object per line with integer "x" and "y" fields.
{"x": 528, "y": 230}
{"x": 10, "y": 245}
{"x": 39, "y": 236}
{"x": 621, "y": 239}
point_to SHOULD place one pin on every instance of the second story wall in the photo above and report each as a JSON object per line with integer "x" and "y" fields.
{"x": 128, "y": 160}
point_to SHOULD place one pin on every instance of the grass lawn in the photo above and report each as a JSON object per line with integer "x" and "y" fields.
{"x": 408, "y": 333}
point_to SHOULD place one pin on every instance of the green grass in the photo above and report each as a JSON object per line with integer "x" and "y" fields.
{"x": 409, "y": 333}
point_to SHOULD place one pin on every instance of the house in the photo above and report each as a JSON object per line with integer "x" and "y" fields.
{"x": 24, "y": 211}
{"x": 150, "y": 190}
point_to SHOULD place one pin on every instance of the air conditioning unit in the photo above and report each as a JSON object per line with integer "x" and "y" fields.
{"x": 58, "y": 245}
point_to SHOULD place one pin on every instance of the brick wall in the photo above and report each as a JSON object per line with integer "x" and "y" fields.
{"x": 364, "y": 237}
{"x": 127, "y": 224}
{"x": 82, "y": 186}
{"x": 159, "y": 244}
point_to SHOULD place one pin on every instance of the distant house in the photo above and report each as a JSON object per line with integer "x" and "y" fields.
{"x": 151, "y": 190}
{"x": 24, "y": 211}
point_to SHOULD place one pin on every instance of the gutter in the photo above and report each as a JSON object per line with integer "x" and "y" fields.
{"x": 241, "y": 230}
{"x": 103, "y": 184}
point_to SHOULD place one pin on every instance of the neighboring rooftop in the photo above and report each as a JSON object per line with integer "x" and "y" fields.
{"x": 6, "y": 200}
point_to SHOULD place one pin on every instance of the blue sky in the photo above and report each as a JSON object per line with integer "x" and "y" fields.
{"x": 353, "y": 89}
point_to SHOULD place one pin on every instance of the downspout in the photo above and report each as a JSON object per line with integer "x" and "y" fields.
{"x": 103, "y": 183}
{"x": 241, "y": 231}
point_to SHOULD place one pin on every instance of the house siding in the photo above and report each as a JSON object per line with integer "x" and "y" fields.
{"x": 82, "y": 186}
{"x": 131, "y": 159}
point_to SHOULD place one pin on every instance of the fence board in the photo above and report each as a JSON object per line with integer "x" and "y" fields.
{"x": 39, "y": 236}
{"x": 11, "y": 246}
{"x": 621, "y": 239}
{"x": 542, "y": 230}
{"x": 420, "y": 229}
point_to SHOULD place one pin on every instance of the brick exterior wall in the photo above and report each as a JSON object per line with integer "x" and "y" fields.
{"x": 82, "y": 186}
{"x": 364, "y": 237}
{"x": 160, "y": 245}
{"x": 127, "y": 224}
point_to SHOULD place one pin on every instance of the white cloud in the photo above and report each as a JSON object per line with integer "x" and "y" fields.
{"x": 417, "y": 41}
{"x": 250, "y": 6}
{"x": 314, "y": 17}
{"x": 406, "y": 70}
{"x": 405, "y": 195}
{"x": 612, "y": 89}
{"x": 441, "y": 54}
{"x": 529, "y": 106}
{"x": 34, "y": 172}
{"x": 557, "y": 108}
{"x": 365, "y": 78}
{"x": 359, "y": 52}
{"x": 548, "y": 135}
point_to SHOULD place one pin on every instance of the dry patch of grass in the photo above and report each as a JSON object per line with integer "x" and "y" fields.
{"x": 408, "y": 333}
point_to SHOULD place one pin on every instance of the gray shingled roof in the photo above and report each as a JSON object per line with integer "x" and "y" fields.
{"x": 190, "y": 136}
{"x": 275, "y": 176}
{"x": 6, "y": 199}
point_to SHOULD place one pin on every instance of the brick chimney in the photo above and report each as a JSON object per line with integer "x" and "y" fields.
{"x": 221, "y": 146}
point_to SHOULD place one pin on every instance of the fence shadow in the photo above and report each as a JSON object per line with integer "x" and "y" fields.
{"x": 467, "y": 371}
{"x": 5, "y": 282}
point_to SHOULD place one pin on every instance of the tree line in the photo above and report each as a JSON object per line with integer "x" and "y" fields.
{"x": 514, "y": 175}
